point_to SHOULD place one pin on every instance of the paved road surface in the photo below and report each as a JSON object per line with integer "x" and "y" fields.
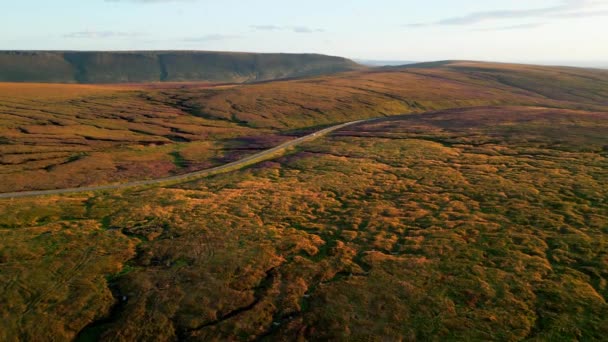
{"x": 247, "y": 161}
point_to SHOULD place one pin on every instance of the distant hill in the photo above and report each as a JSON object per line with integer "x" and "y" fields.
{"x": 380, "y": 63}
{"x": 162, "y": 66}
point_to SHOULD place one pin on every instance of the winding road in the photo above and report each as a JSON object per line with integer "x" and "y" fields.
{"x": 247, "y": 161}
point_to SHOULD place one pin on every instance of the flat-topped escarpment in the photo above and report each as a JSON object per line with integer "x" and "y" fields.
{"x": 162, "y": 66}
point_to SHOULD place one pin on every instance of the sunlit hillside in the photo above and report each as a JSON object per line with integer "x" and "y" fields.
{"x": 474, "y": 208}
{"x": 57, "y": 136}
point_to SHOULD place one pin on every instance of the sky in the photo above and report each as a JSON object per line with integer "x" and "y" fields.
{"x": 574, "y": 32}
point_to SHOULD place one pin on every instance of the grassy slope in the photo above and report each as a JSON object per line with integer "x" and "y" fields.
{"x": 466, "y": 224}
{"x": 562, "y": 83}
{"x": 400, "y": 90}
{"x": 63, "y": 136}
{"x": 159, "y": 66}
{"x": 57, "y": 136}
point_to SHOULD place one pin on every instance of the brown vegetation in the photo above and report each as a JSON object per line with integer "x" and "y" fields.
{"x": 481, "y": 223}
{"x": 485, "y": 223}
{"x": 56, "y": 136}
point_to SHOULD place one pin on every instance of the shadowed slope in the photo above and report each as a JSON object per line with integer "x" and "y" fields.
{"x": 159, "y": 66}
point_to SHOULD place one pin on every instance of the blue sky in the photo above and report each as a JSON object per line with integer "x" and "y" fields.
{"x": 522, "y": 31}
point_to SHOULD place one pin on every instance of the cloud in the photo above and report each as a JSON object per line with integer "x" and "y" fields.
{"x": 565, "y": 9}
{"x": 266, "y": 28}
{"x": 512, "y": 27}
{"x": 304, "y": 29}
{"x": 209, "y": 38}
{"x": 583, "y": 14}
{"x": 101, "y": 34}
{"x": 295, "y": 29}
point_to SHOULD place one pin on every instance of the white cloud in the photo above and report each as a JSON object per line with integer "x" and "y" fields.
{"x": 295, "y": 29}
{"x": 565, "y": 9}
{"x": 210, "y": 38}
{"x": 101, "y": 34}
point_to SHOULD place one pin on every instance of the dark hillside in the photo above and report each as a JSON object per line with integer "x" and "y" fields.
{"x": 158, "y": 66}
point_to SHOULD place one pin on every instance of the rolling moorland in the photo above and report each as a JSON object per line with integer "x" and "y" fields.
{"x": 475, "y": 209}
{"x": 60, "y": 136}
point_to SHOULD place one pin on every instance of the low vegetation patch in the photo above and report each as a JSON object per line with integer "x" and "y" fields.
{"x": 470, "y": 224}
